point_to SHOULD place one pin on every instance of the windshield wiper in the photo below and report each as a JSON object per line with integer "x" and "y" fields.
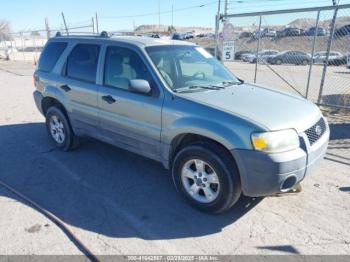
{"x": 207, "y": 87}
{"x": 231, "y": 83}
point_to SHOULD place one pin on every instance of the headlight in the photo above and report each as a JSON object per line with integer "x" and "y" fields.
{"x": 276, "y": 141}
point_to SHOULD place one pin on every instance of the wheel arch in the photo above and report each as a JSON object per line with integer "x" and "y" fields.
{"x": 50, "y": 101}
{"x": 185, "y": 139}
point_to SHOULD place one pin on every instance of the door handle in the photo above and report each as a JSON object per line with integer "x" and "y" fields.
{"x": 109, "y": 99}
{"x": 66, "y": 88}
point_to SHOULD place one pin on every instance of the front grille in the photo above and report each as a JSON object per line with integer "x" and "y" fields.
{"x": 316, "y": 131}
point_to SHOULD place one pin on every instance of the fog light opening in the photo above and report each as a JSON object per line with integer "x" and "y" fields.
{"x": 288, "y": 183}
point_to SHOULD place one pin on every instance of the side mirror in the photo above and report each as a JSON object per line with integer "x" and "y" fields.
{"x": 139, "y": 86}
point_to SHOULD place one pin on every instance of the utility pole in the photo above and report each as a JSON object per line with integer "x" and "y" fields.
{"x": 159, "y": 15}
{"x": 217, "y": 25}
{"x": 65, "y": 24}
{"x": 97, "y": 29}
{"x": 226, "y": 6}
{"x": 48, "y": 33}
{"x": 172, "y": 15}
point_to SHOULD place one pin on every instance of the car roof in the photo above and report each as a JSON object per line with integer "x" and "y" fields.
{"x": 132, "y": 40}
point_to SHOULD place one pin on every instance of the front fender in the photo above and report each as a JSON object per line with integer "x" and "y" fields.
{"x": 203, "y": 127}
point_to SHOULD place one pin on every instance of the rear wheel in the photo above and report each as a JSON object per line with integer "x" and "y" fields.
{"x": 207, "y": 177}
{"x": 278, "y": 62}
{"x": 305, "y": 62}
{"x": 59, "y": 129}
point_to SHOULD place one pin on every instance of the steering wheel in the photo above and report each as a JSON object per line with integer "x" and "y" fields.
{"x": 198, "y": 74}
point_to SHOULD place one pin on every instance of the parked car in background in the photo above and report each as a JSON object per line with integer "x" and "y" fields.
{"x": 348, "y": 60}
{"x": 4, "y": 53}
{"x": 342, "y": 31}
{"x": 291, "y": 31}
{"x": 342, "y": 60}
{"x": 245, "y": 34}
{"x": 189, "y": 35}
{"x": 302, "y": 32}
{"x": 320, "y": 57}
{"x": 270, "y": 33}
{"x": 266, "y": 32}
{"x": 290, "y": 57}
{"x": 318, "y": 31}
{"x": 262, "y": 56}
{"x": 210, "y": 35}
{"x": 245, "y": 57}
{"x": 239, "y": 54}
{"x": 178, "y": 36}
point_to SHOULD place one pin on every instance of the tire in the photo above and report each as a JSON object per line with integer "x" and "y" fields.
{"x": 60, "y": 130}
{"x": 305, "y": 62}
{"x": 278, "y": 62}
{"x": 224, "y": 188}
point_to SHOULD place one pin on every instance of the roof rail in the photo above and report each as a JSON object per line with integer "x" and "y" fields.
{"x": 102, "y": 34}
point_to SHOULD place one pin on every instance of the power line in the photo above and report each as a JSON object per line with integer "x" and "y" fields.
{"x": 243, "y": 4}
{"x": 163, "y": 12}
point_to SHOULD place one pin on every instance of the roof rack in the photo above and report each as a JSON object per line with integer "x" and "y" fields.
{"x": 103, "y": 34}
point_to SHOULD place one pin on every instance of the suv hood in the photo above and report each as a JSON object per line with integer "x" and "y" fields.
{"x": 271, "y": 109}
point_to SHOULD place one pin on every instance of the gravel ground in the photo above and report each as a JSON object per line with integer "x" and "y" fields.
{"x": 119, "y": 203}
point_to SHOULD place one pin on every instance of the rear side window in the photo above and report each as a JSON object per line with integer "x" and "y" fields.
{"x": 50, "y": 55}
{"x": 82, "y": 62}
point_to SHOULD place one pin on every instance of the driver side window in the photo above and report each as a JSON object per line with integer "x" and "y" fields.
{"x": 123, "y": 65}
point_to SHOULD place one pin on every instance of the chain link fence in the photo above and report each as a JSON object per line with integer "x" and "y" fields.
{"x": 27, "y": 45}
{"x": 304, "y": 51}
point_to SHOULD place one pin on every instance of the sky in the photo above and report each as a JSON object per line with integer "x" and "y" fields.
{"x": 117, "y": 15}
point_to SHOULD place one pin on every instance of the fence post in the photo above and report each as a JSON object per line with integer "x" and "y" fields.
{"x": 312, "y": 54}
{"x": 22, "y": 43}
{"x": 47, "y": 28}
{"x": 97, "y": 27}
{"x": 329, "y": 45}
{"x": 257, "y": 49}
{"x": 35, "y": 48}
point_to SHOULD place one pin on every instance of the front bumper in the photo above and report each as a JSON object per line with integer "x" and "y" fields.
{"x": 265, "y": 174}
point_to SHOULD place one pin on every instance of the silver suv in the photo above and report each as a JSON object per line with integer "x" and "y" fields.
{"x": 173, "y": 102}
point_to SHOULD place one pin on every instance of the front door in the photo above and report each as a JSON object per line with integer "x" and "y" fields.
{"x": 129, "y": 120}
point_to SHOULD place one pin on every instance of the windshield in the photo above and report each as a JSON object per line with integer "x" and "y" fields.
{"x": 189, "y": 66}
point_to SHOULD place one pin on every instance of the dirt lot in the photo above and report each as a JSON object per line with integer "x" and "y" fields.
{"x": 120, "y": 203}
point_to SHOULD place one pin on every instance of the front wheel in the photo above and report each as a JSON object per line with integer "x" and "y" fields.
{"x": 207, "y": 177}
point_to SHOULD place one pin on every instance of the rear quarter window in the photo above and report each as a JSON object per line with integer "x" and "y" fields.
{"x": 50, "y": 56}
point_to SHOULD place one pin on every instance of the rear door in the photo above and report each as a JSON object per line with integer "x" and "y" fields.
{"x": 78, "y": 85}
{"x": 129, "y": 120}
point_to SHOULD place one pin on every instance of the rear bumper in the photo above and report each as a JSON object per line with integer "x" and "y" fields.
{"x": 38, "y": 97}
{"x": 265, "y": 174}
